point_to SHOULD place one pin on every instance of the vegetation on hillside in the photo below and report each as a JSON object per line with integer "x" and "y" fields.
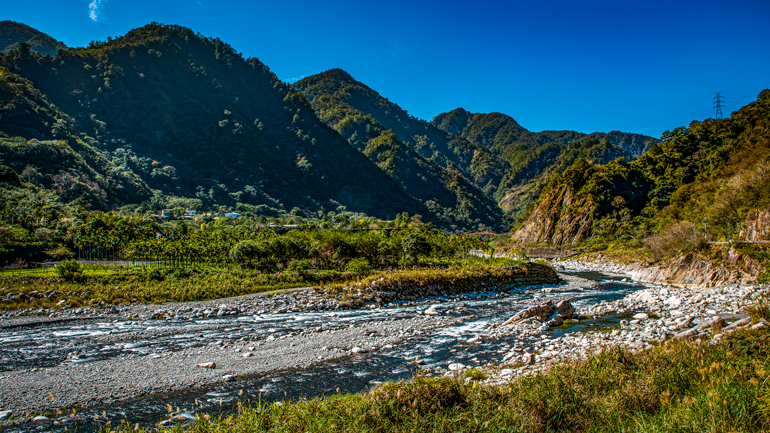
{"x": 444, "y": 191}
{"x": 184, "y": 117}
{"x": 12, "y": 34}
{"x": 446, "y": 150}
{"x": 700, "y": 183}
{"x": 533, "y": 156}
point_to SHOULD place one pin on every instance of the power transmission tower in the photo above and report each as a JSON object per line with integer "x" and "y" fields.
{"x": 718, "y": 101}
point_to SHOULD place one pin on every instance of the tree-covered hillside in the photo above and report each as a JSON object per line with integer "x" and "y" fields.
{"x": 445, "y": 191}
{"x": 477, "y": 164}
{"x": 532, "y": 156}
{"x": 186, "y": 118}
{"x": 13, "y": 33}
{"x": 701, "y": 181}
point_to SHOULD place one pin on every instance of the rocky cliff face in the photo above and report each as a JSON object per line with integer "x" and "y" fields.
{"x": 559, "y": 219}
{"x": 686, "y": 271}
{"x": 689, "y": 271}
{"x": 757, "y": 227}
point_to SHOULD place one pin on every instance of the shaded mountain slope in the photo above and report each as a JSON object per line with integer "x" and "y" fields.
{"x": 447, "y": 150}
{"x": 532, "y": 156}
{"x": 13, "y": 33}
{"x": 444, "y": 191}
{"x": 193, "y": 118}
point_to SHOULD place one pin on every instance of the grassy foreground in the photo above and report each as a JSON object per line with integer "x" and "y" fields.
{"x": 675, "y": 387}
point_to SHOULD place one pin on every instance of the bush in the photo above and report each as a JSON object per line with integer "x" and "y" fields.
{"x": 245, "y": 252}
{"x": 59, "y": 253}
{"x": 70, "y": 270}
{"x": 359, "y": 266}
{"x": 301, "y": 266}
{"x": 684, "y": 236}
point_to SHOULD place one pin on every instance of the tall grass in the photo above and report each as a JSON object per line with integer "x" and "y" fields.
{"x": 166, "y": 284}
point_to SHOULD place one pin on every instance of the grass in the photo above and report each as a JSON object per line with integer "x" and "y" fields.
{"x": 156, "y": 285}
{"x": 464, "y": 277}
{"x": 675, "y": 387}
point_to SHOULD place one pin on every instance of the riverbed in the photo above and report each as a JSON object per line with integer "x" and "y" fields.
{"x": 116, "y": 370}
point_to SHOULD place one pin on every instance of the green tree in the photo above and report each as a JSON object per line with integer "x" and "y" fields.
{"x": 246, "y": 252}
{"x": 415, "y": 246}
{"x": 70, "y": 270}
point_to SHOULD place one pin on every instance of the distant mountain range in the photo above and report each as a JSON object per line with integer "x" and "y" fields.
{"x": 165, "y": 114}
{"x": 530, "y": 157}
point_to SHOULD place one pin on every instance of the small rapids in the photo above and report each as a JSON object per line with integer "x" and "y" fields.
{"x": 88, "y": 341}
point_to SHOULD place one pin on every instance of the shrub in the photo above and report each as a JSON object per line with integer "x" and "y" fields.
{"x": 245, "y": 252}
{"x": 301, "y": 266}
{"x": 70, "y": 270}
{"x": 59, "y": 253}
{"x": 358, "y": 266}
{"x": 684, "y": 236}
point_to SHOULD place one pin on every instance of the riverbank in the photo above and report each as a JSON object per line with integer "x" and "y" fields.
{"x": 198, "y": 297}
{"x": 700, "y": 387}
{"x": 106, "y": 361}
{"x": 650, "y": 317}
{"x": 246, "y": 349}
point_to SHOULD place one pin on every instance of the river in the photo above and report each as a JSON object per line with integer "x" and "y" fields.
{"x": 47, "y": 346}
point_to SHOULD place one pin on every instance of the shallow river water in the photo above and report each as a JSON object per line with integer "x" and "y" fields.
{"x": 40, "y": 347}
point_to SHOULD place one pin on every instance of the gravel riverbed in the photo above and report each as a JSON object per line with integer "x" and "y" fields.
{"x": 73, "y": 377}
{"x": 525, "y": 344}
{"x": 652, "y": 316}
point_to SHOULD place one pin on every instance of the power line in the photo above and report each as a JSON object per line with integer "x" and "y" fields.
{"x": 718, "y": 101}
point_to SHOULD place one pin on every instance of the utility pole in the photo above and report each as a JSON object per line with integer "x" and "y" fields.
{"x": 718, "y": 101}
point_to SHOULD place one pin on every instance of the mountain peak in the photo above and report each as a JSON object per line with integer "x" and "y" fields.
{"x": 452, "y": 122}
{"x": 13, "y": 33}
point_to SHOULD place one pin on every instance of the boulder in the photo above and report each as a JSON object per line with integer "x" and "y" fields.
{"x": 541, "y": 310}
{"x": 761, "y": 324}
{"x": 456, "y": 366}
{"x": 565, "y": 309}
{"x": 528, "y": 359}
{"x": 556, "y": 320}
{"x": 211, "y": 365}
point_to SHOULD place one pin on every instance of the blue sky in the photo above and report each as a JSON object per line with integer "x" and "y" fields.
{"x": 642, "y": 66}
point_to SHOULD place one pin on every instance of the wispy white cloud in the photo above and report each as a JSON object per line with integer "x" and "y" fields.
{"x": 205, "y": 10}
{"x": 96, "y": 11}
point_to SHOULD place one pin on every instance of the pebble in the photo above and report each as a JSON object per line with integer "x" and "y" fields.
{"x": 680, "y": 313}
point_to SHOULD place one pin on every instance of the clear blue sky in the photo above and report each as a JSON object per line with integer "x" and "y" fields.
{"x": 634, "y": 66}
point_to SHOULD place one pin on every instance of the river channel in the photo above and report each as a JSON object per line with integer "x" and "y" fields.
{"x": 83, "y": 342}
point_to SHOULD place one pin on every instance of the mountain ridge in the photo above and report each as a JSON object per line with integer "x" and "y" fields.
{"x": 194, "y": 119}
{"x": 12, "y": 34}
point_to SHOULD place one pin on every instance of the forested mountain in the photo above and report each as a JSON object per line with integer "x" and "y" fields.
{"x": 13, "y": 33}
{"x": 477, "y": 164}
{"x": 717, "y": 171}
{"x": 163, "y": 113}
{"x": 532, "y": 156}
{"x": 445, "y": 191}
